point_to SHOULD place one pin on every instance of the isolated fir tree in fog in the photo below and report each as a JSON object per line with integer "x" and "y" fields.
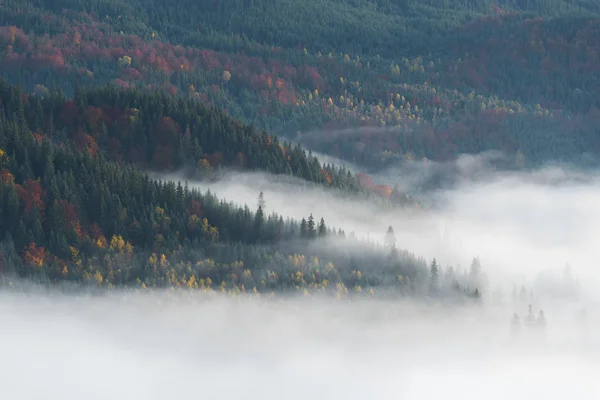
{"x": 434, "y": 278}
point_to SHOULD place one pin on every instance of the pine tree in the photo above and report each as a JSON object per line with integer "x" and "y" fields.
{"x": 390, "y": 238}
{"x": 434, "y": 278}
{"x": 259, "y": 220}
{"x": 312, "y": 232}
{"x": 303, "y": 228}
{"x": 322, "y": 228}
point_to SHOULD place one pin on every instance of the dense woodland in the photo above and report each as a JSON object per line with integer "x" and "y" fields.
{"x": 70, "y": 213}
{"x": 426, "y": 79}
{"x": 114, "y": 88}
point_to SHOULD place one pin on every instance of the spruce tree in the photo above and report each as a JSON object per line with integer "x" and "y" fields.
{"x": 322, "y": 228}
{"x": 312, "y": 232}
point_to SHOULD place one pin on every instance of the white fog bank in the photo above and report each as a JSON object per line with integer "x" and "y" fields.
{"x": 180, "y": 346}
{"x": 519, "y": 224}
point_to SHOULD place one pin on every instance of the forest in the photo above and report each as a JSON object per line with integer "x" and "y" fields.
{"x": 97, "y": 94}
{"x": 460, "y": 77}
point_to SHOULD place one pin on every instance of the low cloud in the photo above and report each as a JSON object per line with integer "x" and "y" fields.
{"x": 520, "y": 223}
{"x": 163, "y": 345}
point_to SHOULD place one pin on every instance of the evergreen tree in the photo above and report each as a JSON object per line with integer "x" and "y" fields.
{"x": 259, "y": 220}
{"x": 303, "y": 228}
{"x": 322, "y": 228}
{"x": 312, "y": 232}
{"x": 434, "y": 277}
{"x": 390, "y": 238}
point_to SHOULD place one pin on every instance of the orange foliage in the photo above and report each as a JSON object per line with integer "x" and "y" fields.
{"x": 83, "y": 141}
{"x": 384, "y": 190}
{"x": 7, "y": 177}
{"x": 34, "y": 255}
{"x": 327, "y": 176}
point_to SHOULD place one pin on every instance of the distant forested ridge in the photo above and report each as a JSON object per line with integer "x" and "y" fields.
{"x": 430, "y": 79}
{"x": 110, "y": 89}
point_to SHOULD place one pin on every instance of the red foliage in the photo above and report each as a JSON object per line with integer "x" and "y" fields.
{"x": 215, "y": 158}
{"x": 70, "y": 217}
{"x": 83, "y": 141}
{"x": 96, "y": 232}
{"x": 166, "y": 130}
{"x": 196, "y": 208}
{"x": 365, "y": 180}
{"x": 93, "y": 118}
{"x": 132, "y": 74}
{"x": 137, "y": 155}
{"x": 69, "y": 113}
{"x": 31, "y": 195}
{"x": 114, "y": 149}
{"x": 163, "y": 156}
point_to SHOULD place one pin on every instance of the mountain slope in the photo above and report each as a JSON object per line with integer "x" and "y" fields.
{"x": 443, "y": 78}
{"x": 71, "y": 215}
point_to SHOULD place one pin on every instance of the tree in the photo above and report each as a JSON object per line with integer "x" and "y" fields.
{"x": 476, "y": 278}
{"x": 259, "y": 220}
{"x": 312, "y": 232}
{"x": 322, "y": 228}
{"x": 390, "y": 238}
{"x": 303, "y": 228}
{"x": 434, "y": 277}
{"x": 261, "y": 201}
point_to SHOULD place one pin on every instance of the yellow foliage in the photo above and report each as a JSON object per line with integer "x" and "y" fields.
{"x": 117, "y": 242}
{"x": 226, "y": 76}
{"x": 191, "y": 283}
{"x": 125, "y": 61}
{"x": 101, "y": 242}
{"x": 99, "y": 278}
{"x": 163, "y": 261}
{"x": 74, "y": 252}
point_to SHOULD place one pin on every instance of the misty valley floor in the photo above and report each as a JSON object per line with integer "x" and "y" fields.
{"x": 177, "y": 345}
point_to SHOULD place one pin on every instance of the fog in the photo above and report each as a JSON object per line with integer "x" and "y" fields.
{"x": 520, "y": 224}
{"x": 170, "y": 345}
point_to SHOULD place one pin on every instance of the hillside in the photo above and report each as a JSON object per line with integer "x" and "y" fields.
{"x": 433, "y": 79}
{"x": 116, "y": 88}
{"x": 69, "y": 214}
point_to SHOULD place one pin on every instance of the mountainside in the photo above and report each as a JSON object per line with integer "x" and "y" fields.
{"x": 68, "y": 213}
{"x": 115, "y": 89}
{"x": 433, "y": 79}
